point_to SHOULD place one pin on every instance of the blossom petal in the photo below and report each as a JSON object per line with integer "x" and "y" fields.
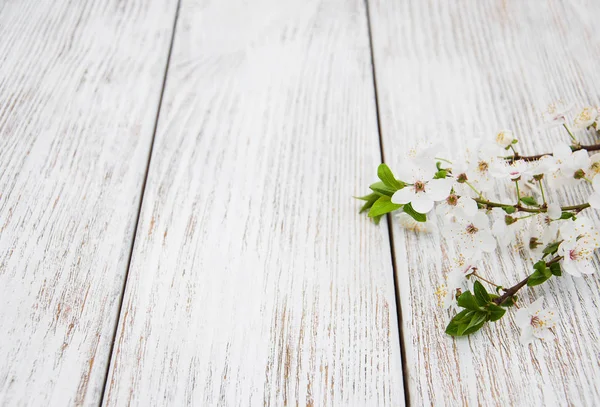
{"x": 536, "y": 305}
{"x": 527, "y": 335}
{"x": 585, "y": 267}
{"x": 469, "y": 205}
{"x": 562, "y": 151}
{"x": 499, "y": 228}
{"x": 544, "y": 334}
{"x": 487, "y": 241}
{"x": 481, "y": 221}
{"x": 581, "y": 159}
{"x": 522, "y": 317}
{"x": 422, "y": 203}
{"x": 439, "y": 189}
{"x": 554, "y": 211}
{"x": 571, "y": 268}
{"x": 403, "y": 196}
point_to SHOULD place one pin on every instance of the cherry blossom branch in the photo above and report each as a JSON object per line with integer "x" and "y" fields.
{"x": 522, "y": 208}
{"x": 517, "y": 156}
{"x": 509, "y": 292}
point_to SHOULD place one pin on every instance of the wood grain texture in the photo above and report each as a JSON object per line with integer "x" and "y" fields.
{"x": 253, "y": 280}
{"x": 450, "y": 71}
{"x": 79, "y": 89}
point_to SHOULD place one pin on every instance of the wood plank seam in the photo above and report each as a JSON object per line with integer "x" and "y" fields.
{"x": 388, "y": 216}
{"x": 143, "y": 189}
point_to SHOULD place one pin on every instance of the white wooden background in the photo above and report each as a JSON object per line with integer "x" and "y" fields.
{"x": 176, "y": 216}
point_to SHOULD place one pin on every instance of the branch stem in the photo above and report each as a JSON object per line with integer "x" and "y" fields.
{"x": 483, "y": 279}
{"x": 509, "y": 292}
{"x": 542, "y": 191}
{"x": 575, "y": 142}
{"x": 517, "y": 157}
{"x": 521, "y": 208}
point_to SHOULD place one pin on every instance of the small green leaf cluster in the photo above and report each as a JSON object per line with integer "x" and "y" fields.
{"x": 479, "y": 308}
{"x": 543, "y": 271}
{"x": 379, "y": 201}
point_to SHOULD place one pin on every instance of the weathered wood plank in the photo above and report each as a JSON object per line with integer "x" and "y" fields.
{"x": 452, "y": 71}
{"x": 253, "y": 280}
{"x": 79, "y": 89}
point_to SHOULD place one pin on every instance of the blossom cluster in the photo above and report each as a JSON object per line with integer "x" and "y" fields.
{"x": 491, "y": 196}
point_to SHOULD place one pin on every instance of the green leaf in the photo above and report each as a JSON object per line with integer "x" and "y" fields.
{"x": 473, "y": 329}
{"x": 370, "y": 200}
{"x": 509, "y": 209}
{"x": 478, "y": 318}
{"x": 468, "y": 326}
{"x": 551, "y": 248}
{"x": 496, "y": 312}
{"x": 382, "y": 189}
{"x": 466, "y": 322}
{"x": 468, "y": 301}
{"x": 382, "y": 206}
{"x": 481, "y": 295}
{"x": 529, "y": 200}
{"x": 440, "y": 174}
{"x": 536, "y": 279}
{"x": 377, "y": 219}
{"x": 555, "y": 269}
{"x": 387, "y": 177}
{"x": 540, "y": 275}
{"x": 419, "y": 217}
{"x": 542, "y": 268}
{"x": 567, "y": 215}
{"x": 460, "y": 319}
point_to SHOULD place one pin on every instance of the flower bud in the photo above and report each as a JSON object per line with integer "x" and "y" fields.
{"x": 534, "y": 243}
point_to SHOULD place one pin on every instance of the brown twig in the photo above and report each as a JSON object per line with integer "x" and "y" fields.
{"x": 517, "y": 156}
{"x": 509, "y": 292}
{"x": 521, "y": 208}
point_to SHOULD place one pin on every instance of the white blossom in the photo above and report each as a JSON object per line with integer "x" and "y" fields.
{"x": 472, "y": 235}
{"x": 457, "y": 280}
{"x": 567, "y": 163}
{"x": 594, "y": 167}
{"x": 536, "y": 322}
{"x": 586, "y": 117}
{"x": 455, "y": 205}
{"x": 513, "y": 171}
{"x": 506, "y": 233}
{"x": 477, "y": 167}
{"x": 577, "y": 257}
{"x": 580, "y": 229}
{"x": 580, "y": 239}
{"x": 505, "y": 138}
{"x": 555, "y": 113}
{"x": 422, "y": 190}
